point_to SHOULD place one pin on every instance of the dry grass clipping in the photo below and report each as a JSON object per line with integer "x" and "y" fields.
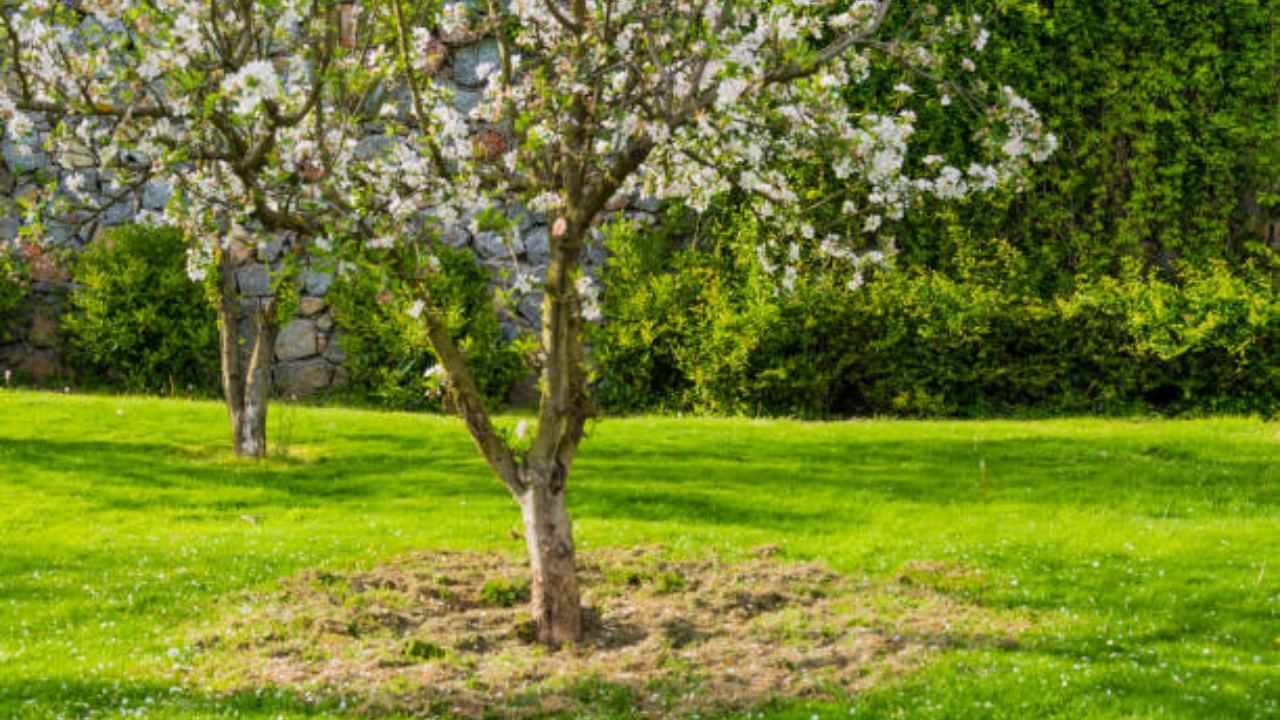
{"x": 447, "y": 633}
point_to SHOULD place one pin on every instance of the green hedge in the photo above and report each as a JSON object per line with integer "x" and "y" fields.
{"x": 136, "y": 322}
{"x": 715, "y": 336}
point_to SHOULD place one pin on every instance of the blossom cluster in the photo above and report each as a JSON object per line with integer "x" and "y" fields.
{"x": 222, "y": 100}
{"x": 710, "y": 97}
{"x": 263, "y": 129}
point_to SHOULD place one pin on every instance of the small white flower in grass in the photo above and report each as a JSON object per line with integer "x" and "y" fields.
{"x": 903, "y": 89}
{"x": 522, "y": 429}
{"x": 415, "y": 310}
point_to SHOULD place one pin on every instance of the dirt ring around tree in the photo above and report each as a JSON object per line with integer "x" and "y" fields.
{"x": 448, "y": 634}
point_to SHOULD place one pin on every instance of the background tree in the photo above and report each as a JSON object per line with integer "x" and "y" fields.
{"x": 233, "y": 103}
{"x": 595, "y": 101}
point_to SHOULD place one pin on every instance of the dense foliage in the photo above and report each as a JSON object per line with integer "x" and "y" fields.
{"x": 388, "y": 355}
{"x": 1170, "y": 145}
{"x": 136, "y": 321}
{"x": 1132, "y": 272}
{"x": 13, "y": 291}
{"x": 716, "y": 336}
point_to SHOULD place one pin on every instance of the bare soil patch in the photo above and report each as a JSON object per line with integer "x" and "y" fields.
{"x": 447, "y": 633}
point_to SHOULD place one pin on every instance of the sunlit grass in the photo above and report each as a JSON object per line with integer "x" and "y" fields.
{"x": 1147, "y": 548}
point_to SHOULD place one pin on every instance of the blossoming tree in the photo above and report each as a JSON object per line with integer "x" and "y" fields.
{"x": 237, "y": 105}
{"x": 262, "y": 118}
{"x": 590, "y": 102}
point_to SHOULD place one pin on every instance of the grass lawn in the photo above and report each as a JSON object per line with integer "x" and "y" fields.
{"x": 1144, "y": 551}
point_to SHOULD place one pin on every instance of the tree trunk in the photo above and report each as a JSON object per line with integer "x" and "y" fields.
{"x": 246, "y": 371}
{"x": 557, "y": 609}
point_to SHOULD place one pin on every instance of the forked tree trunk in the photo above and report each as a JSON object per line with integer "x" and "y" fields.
{"x": 246, "y": 368}
{"x": 557, "y": 609}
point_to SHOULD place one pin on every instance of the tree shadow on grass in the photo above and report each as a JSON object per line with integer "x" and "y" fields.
{"x": 134, "y": 475}
{"x": 736, "y": 484}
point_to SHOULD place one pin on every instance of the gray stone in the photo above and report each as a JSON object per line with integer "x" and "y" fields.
{"x": 596, "y": 255}
{"x": 297, "y": 340}
{"x": 78, "y": 155}
{"x": 22, "y": 157}
{"x": 9, "y": 227}
{"x": 310, "y": 306}
{"x": 270, "y": 252}
{"x": 455, "y": 236}
{"x": 490, "y": 245}
{"x": 58, "y": 233}
{"x": 537, "y": 245}
{"x": 117, "y": 214}
{"x": 527, "y": 219}
{"x": 465, "y": 100}
{"x": 7, "y": 182}
{"x": 89, "y": 183}
{"x": 333, "y": 352}
{"x": 325, "y": 322}
{"x": 467, "y": 61}
{"x": 304, "y": 378}
{"x": 340, "y": 377}
{"x": 156, "y": 194}
{"x": 372, "y": 146}
{"x": 254, "y": 280}
{"x": 317, "y": 283}
{"x": 134, "y": 159}
{"x": 530, "y": 308}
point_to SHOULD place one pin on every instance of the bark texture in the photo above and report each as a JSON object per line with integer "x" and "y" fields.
{"x": 246, "y": 370}
{"x": 557, "y": 608}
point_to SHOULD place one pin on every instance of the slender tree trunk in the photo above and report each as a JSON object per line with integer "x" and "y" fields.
{"x": 557, "y": 608}
{"x": 246, "y": 371}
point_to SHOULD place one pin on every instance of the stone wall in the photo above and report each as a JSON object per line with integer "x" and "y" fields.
{"x": 308, "y": 352}
{"x": 32, "y": 351}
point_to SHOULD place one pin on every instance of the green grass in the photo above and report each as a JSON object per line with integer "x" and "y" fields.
{"x": 1148, "y": 549}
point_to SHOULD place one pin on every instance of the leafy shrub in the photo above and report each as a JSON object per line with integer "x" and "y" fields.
{"x": 713, "y": 337}
{"x": 136, "y": 322}
{"x": 13, "y": 291}
{"x": 388, "y": 353}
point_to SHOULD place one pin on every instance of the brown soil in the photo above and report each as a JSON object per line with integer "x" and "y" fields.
{"x": 429, "y": 634}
